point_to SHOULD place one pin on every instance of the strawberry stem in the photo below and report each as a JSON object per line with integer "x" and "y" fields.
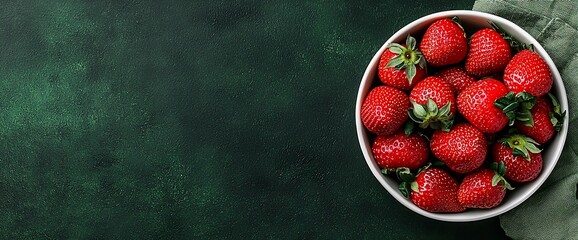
{"x": 429, "y": 115}
{"x": 521, "y": 145}
{"x": 404, "y": 174}
{"x": 414, "y": 186}
{"x": 407, "y": 57}
{"x": 499, "y": 168}
{"x": 517, "y": 107}
{"x": 408, "y": 128}
{"x": 405, "y": 189}
{"x": 498, "y": 178}
{"x": 387, "y": 171}
{"x": 556, "y": 117}
{"x": 407, "y": 179}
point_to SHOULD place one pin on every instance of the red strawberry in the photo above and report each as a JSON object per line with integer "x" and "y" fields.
{"x": 456, "y": 77}
{"x": 399, "y": 150}
{"x": 489, "y": 53}
{"x": 384, "y": 110}
{"x": 444, "y": 43}
{"x": 521, "y": 157}
{"x": 426, "y": 96}
{"x": 435, "y": 190}
{"x": 476, "y": 104}
{"x": 402, "y": 66}
{"x": 543, "y": 128}
{"x": 463, "y": 149}
{"x": 482, "y": 189}
{"x": 436, "y": 89}
{"x": 528, "y": 72}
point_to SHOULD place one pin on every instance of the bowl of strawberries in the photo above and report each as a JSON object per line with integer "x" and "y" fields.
{"x": 461, "y": 115}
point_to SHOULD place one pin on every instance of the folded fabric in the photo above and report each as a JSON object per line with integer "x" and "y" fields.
{"x": 552, "y": 212}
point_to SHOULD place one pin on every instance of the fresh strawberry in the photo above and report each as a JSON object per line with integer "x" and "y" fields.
{"x": 426, "y": 96}
{"x": 456, "y": 77}
{"x": 444, "y": 43}
{"x": 399, "y": 150}
{"x": 528, "y": 72}
{"x": 476, "y": 104}
{"x": 483, "y": 188}
{"x": 521, "y": 157}
{"x": 402, "y": 66}
{"x": 489, "y": 53}
{"x": 463, "y": 149}
{"x": 435, "y": 190}
{"x": 384, "y": 110}
{"x": 542, "y": 129}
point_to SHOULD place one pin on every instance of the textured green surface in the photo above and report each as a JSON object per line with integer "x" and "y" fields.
{"x": 214, "y": 119}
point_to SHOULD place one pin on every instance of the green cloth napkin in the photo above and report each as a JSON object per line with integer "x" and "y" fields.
{"x": 552, "y": 212}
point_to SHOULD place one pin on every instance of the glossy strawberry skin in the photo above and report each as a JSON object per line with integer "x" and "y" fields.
{"x": 528, "y": 72}
{"x": 543, "y": 130}
{"x": 437, "y": 192}
{"x": 476, "y": 104}
{"x": 444, "y": 43}
{"x": 489, "y": 53}
{"x": 476, "y": 190}
{"x": 463, "y": 149}
{"x": 399, "y": 150}
{"x": 518, "y": 168}
{"x": 397, "y": 78}
{"x": 456, "y": 77}
{"x": 436, "y": 89}
{"x": 384, "y": 110}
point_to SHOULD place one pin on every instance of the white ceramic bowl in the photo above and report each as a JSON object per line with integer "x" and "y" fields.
{"x": 470, "y": 20}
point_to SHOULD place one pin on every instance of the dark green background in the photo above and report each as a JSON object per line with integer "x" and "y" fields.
{"x": 202, "y": 119}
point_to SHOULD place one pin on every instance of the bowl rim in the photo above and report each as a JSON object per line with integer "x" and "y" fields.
{"x": 362, "y": 132}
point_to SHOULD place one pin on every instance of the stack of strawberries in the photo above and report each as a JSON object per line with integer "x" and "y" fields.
{"x": 455, "y": 138}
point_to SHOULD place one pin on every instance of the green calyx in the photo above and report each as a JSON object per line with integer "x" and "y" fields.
{"x": 498, "y": 178}
{"x": 556, "y": 117}
{"x": 514, "y": 43}
{"x": 407, "y": 178}
{"x": 521, "y": 145}
{"x": 430, "y": 115}
{"x": 407, "y": 57}
{"x": 517, "y": 107}
{"x": 408, "y": 128}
